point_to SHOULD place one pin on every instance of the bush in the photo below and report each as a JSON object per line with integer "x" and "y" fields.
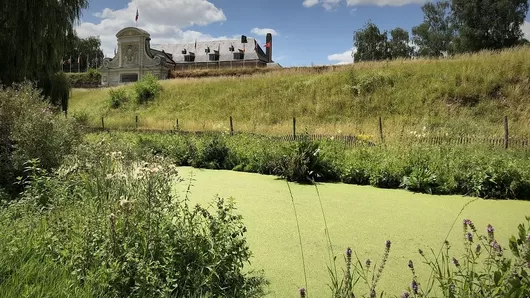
{"x": 305, "y": 163}
{"x": 31, "y": 128}
{"x": 123, "y": 233}
{"x": 118, "y": 96}
{"x": 92, "y": 77}
{"x": 147, "y": 88}
{"x": 213, "y": 154}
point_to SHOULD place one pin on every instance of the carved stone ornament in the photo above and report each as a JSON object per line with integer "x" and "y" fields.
{"x": 130, "y": 55}
{"x": 158, "y": 60}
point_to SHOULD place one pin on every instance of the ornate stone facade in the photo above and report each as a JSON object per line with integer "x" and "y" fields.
{"x": 134, "y": 59}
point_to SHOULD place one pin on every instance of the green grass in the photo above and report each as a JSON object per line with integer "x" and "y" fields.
{"x": 360, "y": 217}
{"x": 468, "y": 94}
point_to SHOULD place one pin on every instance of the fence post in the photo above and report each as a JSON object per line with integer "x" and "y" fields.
{"x": 505, "y": 132}
{"x": 177, "y": 124}
{"x": 231, "y": 126}
{"x": 102, "y": 123}
{"x": 136, "y": 124}
{"x": 294, "y": 128}
{"x": 381, "y": 129}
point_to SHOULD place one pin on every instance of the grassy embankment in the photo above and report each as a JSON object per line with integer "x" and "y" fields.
{"x": 466, "y": 95}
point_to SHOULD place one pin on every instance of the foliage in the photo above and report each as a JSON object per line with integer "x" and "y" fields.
{"x": 306, "y": 163}
{"x": 114, "y": 224}
{"x": 489, "y": 25}
{"x": 434, "y": 36}
{"x": 33, "y": 38}
{"x": 371, "y": 43}
{"x": 118, "y": 96}
{"x": 85, "y": 49}
{"x": 92, "y": 77}
{"x": 31, "y": 129}
{"x": 483, "y": 271}
{"x": 473, "y": 171}
{"x": 147, "y": 88}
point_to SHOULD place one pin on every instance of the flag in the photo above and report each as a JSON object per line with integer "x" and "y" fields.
{"x": 137, "y": 15}
{"x": 268, "y": 45}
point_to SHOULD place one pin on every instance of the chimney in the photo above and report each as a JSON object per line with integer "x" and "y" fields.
{"x": 268, "y": 49}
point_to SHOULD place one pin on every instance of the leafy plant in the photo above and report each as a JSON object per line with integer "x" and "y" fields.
{"x": 147, "y": 88}
{"x": 118, "y": 96}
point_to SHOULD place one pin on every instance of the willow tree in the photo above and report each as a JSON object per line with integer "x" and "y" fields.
{"x": 33, "y": 36}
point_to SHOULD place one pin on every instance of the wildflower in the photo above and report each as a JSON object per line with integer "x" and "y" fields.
{"x": 388, "y": 243}
{"x": 373, "y": 294}
{"x": 467, "y": 222}
{"x": 302, "y": 293}
{"x": 496, "y": 246}
{"x": 414, "y": 286}
{"x": 490, "y": 231}
{"x": 469, "y": 237}
{"x": 528, "y": 264}
{"x": 348, "y": 252}
{"x": 411, "y": 265}
{"x": 368, "y": 263}
{"x": 420, "y": 252}
{"x": 455, "y": 262}
{"x": 528, "y": 237}
{"x": 405, "y": 295}
{"x": 477, "y": 250}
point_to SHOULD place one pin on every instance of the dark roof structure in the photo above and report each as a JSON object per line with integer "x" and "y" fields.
{"x": 224, "y": 49}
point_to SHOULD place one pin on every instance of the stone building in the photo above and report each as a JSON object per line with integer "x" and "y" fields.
{"x": 135, "y": 57}
{"x": 244, "y": 52}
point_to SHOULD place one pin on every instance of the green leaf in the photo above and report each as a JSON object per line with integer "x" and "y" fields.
{"x": 513, "y": 246}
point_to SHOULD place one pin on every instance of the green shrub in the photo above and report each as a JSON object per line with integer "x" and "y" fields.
{"x": 369, "y": 82}
{"x": 118, "y": 96}
{"x": 92, "y": 77}
{"x": 147, "y": 88}
{"x": 117, "y": 228}
{"x": 213, "y": 154}
{"x": 305, "y": 163}
{"x": 31, "y": 128}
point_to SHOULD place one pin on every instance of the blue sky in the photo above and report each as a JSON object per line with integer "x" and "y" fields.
{"x": 307, "y": 31}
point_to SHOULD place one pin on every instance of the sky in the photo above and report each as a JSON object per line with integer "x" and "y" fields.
{"x": 305, "y": 32}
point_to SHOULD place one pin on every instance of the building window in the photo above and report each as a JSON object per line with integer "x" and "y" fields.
{"x": 214, "y": 57}
{"x": 239, "y": 56}
{"x": 129, "y": 77}
{"x": 190, "y": 57}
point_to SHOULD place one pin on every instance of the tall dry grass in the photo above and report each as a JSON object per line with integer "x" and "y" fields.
{"x": 465, "y": 95}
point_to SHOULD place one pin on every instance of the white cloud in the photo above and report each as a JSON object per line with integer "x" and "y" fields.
{"x": 163, "y": 19}
{"x": 526, "y": 30}
{"x": 331, "y": 4}
{"x": 264, "y": 31}
{"x": 310, "y": 3}
{"x": 343, "y": 58}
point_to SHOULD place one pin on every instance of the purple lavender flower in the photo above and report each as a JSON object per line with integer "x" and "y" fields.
{"x": 477, "y": 250}
{"x": 528, "y": 264}
{"x": 388, "y": 243}
{"x": 420, "y": 252}
{"x": 405, "y": 295}
{"x": 467, "y": 222}
{"x": 414, "y": 286}
{"x": 455, "y": 262}
{"x": 411, "y": 265}
{"x": 490, "y": 231}
{"x": 302, "y": 293}
{"x": 348, "y": 252}
{"x": 528, "y": 237}
{"x": 368, "y": 263}
{"x": 469, "y": 237}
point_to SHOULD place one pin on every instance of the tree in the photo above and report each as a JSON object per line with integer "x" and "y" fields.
{"x": 85, "y": 48}
{"x": 33, "y": 36}
{"x": 371, "y": 44}
{"x": 399, "y": 44}
{"x": 489, "y": 24}
{"x": 435, "y": 35}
